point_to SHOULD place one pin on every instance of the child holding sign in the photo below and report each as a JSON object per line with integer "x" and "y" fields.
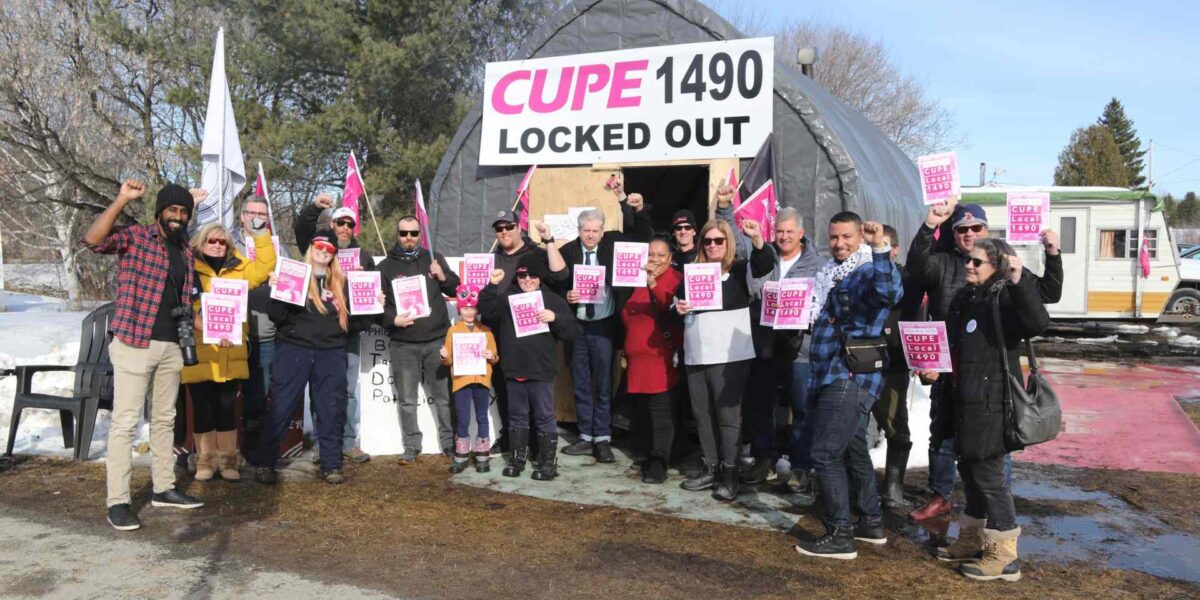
{"x": 530, "y": 361}
{"x": 470, "y": 351}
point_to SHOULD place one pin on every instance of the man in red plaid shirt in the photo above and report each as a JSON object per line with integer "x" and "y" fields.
{"x": 154, "y": 278}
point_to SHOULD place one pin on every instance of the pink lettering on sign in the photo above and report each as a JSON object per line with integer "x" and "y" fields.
{"x": 939, "y": 177}
{"x": 525, "y": 309}
{"x": 1028, "y": 216}
{"x": 629, "y": 258}
{"x": 575, "y": 84}
{"x": 926, "y": 345}
{"x": 702, "y": 286}
{"x": 795, "y": 303}
{"x": 589, "y": 284}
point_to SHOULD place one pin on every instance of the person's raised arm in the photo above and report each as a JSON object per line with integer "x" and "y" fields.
{"x": 724, "y": 212}
{"x": 887, "y": 289}
{"x": 306, "y": 222}
{"x": 554, "y": 258}
{"x": 920, "y": 262}
{"x": 131, "y": 189}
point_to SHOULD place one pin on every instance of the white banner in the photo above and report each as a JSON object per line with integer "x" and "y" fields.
{"x": 689, "y": 101}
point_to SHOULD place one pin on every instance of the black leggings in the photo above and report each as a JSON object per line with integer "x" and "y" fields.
{"x": 654, "y": 419}
{"x": 214, "y": 405}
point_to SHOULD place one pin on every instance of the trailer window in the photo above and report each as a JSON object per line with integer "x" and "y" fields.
{"x": 1066, "y": 237}
{"x": 1122, "y": 243}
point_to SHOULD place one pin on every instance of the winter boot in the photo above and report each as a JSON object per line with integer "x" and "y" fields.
{"x": 838, "y": 542}
{"x": 703, "y": 479}
{"x": 654, "y": 470}
{"x": 547, "y": 468}
{"x": 893, "y": 475}
{"x": 206, "y": 460}
{"x": 518, "y": 440}
{"x": 999, "y": 557}
{"x": 727, "y": 486}
{"x": 969, "y": 545}
{"x": 937, "y": 505}
{"x": 227, "y": 455}
{"x": 462, "y": 455}
{"x": 757, "y": 472}
{"x": 483, "y": 454}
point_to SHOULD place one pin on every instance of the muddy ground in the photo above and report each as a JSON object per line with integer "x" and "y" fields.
{"x": 413, "y": 532}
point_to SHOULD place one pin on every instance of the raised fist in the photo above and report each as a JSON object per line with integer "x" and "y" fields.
{"x": 131, "y": 189}
{"x": 873, "y": 234}
{"x": 324, "y": 200}
{"x": 636, "y": 202}
{"x": 724, "y": 194}
{"x": 939, "y": 213}
{"x": 496, "y": 276}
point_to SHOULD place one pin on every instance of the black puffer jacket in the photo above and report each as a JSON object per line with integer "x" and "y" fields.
{"x": 976, "y": 389}
{"x": 943, "y": 274}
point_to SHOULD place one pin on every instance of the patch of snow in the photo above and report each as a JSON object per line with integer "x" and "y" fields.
{"x": 1168, "y": 332}
{"x": 47, "y": 275}
{"x": 918, "y": 427}
{"x": 1137, "y": 329}
{"x": 1189, "y": 341}
{"x": 1112, "y": 339}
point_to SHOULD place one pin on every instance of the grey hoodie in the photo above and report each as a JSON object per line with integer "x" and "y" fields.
{"x": 806, "y": 266}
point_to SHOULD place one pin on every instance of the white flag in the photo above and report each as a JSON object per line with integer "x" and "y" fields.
{"x": 224, "y": 169}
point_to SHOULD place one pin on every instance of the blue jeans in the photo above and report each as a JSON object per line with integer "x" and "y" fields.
{"x": 769, "y": 379}
{"x": 353, "y": 364}
{"x": 531, "y": 403}
{"x": 591, "y": 374}
{"x": 472, "y": 396}
{"x": 840, "y": 454}
{"x": 942, "y": 458}
{"x": 324, "y": 372}
{"x": 254, "y": 398}
{"x": 800, "y": 435}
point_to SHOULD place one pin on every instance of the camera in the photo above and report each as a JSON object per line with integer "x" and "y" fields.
{"x": 187, "y": 336}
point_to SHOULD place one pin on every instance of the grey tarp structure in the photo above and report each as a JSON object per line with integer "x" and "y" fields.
{"x": 829, "y": 157}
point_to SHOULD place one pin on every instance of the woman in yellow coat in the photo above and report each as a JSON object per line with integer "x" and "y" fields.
{"x": 213, "y": 381}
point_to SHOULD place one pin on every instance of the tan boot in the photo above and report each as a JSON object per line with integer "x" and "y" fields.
{"x": 999, "y": 557}
{"x": 227, "y": 450}
{"x": 969, "y": 545}
{"x": 206, "y": 455}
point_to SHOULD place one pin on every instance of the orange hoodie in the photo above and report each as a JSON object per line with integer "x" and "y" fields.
{"x": 456, "y": 382}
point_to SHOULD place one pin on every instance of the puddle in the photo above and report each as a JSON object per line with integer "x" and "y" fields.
{"x": 1117, "y": 536}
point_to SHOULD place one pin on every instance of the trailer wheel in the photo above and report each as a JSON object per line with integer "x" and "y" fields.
{"x": 1185, "y": 301}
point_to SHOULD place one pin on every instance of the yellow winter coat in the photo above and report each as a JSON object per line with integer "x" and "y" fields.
{"x": 225, "y": 364}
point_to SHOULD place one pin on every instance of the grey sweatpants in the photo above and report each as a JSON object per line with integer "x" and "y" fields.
{"x": 716, "y": 392}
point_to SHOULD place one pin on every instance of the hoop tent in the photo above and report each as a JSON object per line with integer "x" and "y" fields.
{"x": 829, "y": 157}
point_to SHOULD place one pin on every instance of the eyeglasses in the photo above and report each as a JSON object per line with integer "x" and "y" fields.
{"x": 977, "y": 262}
{"x": 527, "y": 276}
{"x": 344, "y": 223}
{"x": 714, "y": 241}
{"x": 407, "y": 233}
{"x": 509, "y": 227}
{"x": 219, "y": 241}
{"x": 684, "y": 228}
{"x": 972, "y": 228}
{"x": 254, "y": 214}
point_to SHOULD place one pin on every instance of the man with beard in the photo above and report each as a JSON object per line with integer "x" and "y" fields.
{"x": 342, "y": 221}
{"x": 416, "y": 342}
{"x": 154, "y": 279}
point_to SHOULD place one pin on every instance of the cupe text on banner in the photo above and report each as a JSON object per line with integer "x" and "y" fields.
{"x": 926, "y": 346}
{"x": 525, "y": 309}
{"x": 686, "y": 101}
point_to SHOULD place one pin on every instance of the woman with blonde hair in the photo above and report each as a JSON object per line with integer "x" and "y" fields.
{"x": 213, "y": 382}
{"x": 717, "y": 350}
{"x": 310, "y": 351}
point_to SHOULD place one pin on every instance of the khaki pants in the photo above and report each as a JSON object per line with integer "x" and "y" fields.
{"x": 134, "y": 371}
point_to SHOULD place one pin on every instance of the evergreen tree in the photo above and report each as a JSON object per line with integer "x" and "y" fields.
{"x": 1187, "y": 212}
{"x": 1091, "y": 158}
{"x": 1127, "y": 141}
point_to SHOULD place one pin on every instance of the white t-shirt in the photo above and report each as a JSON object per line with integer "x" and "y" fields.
{"x": 786, "y": 265}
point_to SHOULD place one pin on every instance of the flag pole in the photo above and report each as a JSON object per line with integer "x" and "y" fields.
{"x": 267, "y": 197}
{"x": 367, "y": 197}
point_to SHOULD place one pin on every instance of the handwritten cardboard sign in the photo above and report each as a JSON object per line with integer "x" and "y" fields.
{"x": 702, "y": 285}
{"x": 628, "y": 260}
{"x": 939, "y": 177}
{"x": 1028, "y": 215}
{"x": 589, "y": 283}
{"x": 525, "y": 309}
{"x": 926, "y": 345}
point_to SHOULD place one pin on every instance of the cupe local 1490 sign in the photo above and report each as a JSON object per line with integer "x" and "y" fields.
{"x": 691, "y": 101}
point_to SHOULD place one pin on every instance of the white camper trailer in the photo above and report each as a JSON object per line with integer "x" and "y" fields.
{"x": 1098, "y": 226}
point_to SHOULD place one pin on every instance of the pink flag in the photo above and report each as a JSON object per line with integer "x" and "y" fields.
{"x": 260, "y": 184}
{"x": 523, "y": 198}
{"x": 353, "y": 190}
{"x": 1144, "y": 258}
{"x": 422, "y": 218}
{"x": 760, "y": 207}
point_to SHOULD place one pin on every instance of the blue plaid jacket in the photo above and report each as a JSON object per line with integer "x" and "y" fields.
{"x": 861, "y": 303}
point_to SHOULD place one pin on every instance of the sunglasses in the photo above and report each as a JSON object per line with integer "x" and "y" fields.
{"x": 218, "y": 241}
{"x": 684, "y": 228}
{"x": 977, "y": 262}
{"x": 407, "y": 233}
{"x": 714, "y": 241}
{"x": 527, "y": 276}
{"x": 971, "y": 228}
{"x": 344, "y": 223}
{"x": 509, "y": 227}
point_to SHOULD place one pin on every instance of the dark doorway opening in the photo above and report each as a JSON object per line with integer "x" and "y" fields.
{"x": 668, "y": 189}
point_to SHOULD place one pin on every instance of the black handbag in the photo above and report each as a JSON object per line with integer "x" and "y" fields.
{"x": 862, "y": 355}
{"x": 1032, "y": 412}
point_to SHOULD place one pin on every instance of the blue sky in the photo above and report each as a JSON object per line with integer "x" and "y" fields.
{"x": 1019, "y": 76}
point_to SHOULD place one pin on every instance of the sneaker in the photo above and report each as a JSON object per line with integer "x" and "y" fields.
{"x": 335, "y": 477}
{"x": 580, "y": 448}
{"x": 356, "y": 455}
{"x": 121, "y": 517}
{"x": 797, "y": 482}
{"x": 703, "y": 479}
{"x": 407, "y": 458}
{"x": 871, "y": 533}
{"x": 937, "y": 505}
{"x": 266, "y": 475}
{"x": 173, "y": 498}
{"x": 837, "y": 543}
{"x": 604, "y": 453}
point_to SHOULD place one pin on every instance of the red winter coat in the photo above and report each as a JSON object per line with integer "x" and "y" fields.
{"x": 649, "y": 355}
